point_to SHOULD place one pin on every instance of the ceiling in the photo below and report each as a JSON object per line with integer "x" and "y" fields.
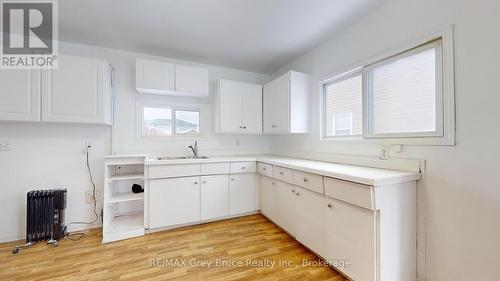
{"x": 253, "y": 35}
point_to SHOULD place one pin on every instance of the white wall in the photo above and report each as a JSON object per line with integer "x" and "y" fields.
{"x": 463, "y": 194}
{"x": 51, "y": 155}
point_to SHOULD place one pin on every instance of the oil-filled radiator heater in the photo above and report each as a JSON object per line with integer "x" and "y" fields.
{"x": 44, "y": 217}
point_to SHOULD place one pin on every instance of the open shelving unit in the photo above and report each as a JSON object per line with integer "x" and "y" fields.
{"x": 123, "y": 209}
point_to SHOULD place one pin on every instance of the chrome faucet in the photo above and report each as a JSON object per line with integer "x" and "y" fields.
{"x": 194, "y": 149}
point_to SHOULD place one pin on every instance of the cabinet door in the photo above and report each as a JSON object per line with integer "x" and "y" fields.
{"x": 20, "y": 95}
{"x": 242, "y": 193}
{"x": 350, "y": 232}
{"x": 268, "y": 197}
{"x": 277, "y": 105}
{"x": 310, "y": 220}
{"x": 154, "y": 77}
{"x": 251, "y": 108}
{"x": 214, "y": 196}
{"x": 230, "y": 100}
{"x": 78, "y": 91}
{"x": 174, "y": 201}
{"x": 285, "y": 211}
{"x": 191, "y": 81}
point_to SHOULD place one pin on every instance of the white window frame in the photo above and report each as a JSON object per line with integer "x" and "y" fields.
{"x": 175, "y": 136}
{"x": 445, "y": 101}
{"x": 323, "y": 86}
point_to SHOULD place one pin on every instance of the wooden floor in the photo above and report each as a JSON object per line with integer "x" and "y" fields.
{"x": 182, "y": 254}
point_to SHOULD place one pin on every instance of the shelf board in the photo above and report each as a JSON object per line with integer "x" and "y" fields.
{"x": 126, "y": 222}
{"x": 125, "y": 197}
{"x": 126, "y": 177}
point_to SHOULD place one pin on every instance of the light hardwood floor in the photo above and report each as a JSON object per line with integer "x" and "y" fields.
{"x": 236, "y": 242}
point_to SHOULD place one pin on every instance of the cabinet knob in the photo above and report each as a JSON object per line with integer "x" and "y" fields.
{"x": 281, "y": 173}
{"x": 241, "y": 127}
{"x": 298, "y": 194}
{"x": 243, "y": 168}
{"x": 273, "y": 183}
{"x": 293, "y": 190}
{"x": 232, "y": 179}
{"x": 195, "y": 182}
{"x": 306, "y": 180}
{"x": 203, "y": 182}
{"x": 273, "y": 126}
{"x": 263, "y": 169}
{"x": 244, "y": 127}
{"x": 330, "y": 205}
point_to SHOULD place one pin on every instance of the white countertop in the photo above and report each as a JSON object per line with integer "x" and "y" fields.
{"x": 358, "y": 174}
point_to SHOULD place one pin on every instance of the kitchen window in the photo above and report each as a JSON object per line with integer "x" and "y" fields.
{"x": 404, "y": 98}
{"x": 159, "y": 122}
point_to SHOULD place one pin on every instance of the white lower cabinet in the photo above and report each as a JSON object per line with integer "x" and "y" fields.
{"x": 268, "y": 195}
{"x": 310, "y": 220}
{"x": 243, "y": 193}
{"x": 285, "y": 211}
{"x": 350, "y": 238}
{"x": 214, "y": 196}
{"x": 174, "y": 201}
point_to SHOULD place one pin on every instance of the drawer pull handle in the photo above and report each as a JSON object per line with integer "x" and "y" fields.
{"x": 306, "y": 180}
{"x": 243, "y": 168}
{"x": 273, "y": 126}
{"x": 281, "y": 173}
{"x": 330, "y": 205}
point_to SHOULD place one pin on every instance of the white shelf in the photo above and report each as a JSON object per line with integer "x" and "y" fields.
{"x": 127, "y": 222}
{"x": 125, "y": 197}
{"x": 126, "y": 177}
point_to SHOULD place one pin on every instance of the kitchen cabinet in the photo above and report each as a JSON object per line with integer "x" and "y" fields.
{"x": 286, "y": 104}
{"x": 20, "y": 95}
{"x": 78, "y": 91}
{"x": 238, "y": 107}
{"x": 243, "y": 193}
{"x": 214, "y": 196}
{"x": 154, "y": 77}
{"x": 310, "y": 218}
{"x": 191, "y": 81}
{"x": 285, "y": 210}
{"x": 350, "y": 238}
{"x": 163, "y": 78}
{"x": 268, "y": 196}
{"x": 174, "y": 201}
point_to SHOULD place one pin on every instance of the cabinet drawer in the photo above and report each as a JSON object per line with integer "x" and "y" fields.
{"x": 215, "y": 168}
{"x": 265, "y": 169}
{"x": 283, "y": 174}
{"x": 309, "y": 181}
{"x": 354, "y": 193}
{"x": 168, "y": 171}
{"x": 243, "y": 167}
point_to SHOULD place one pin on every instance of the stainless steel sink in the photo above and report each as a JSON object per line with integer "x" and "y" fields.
{"x": 181, "y": 157}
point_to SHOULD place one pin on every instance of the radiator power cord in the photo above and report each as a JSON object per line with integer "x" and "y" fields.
{"x": 79, "y": 235}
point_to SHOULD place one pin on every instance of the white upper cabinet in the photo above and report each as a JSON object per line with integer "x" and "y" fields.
{"x": 238, "y": 108}
{"x": 163, "y": 78}
{"x": 20, "y": 95}
{"x": 78, "y": 91}
{"x": 286, "y": 104}
{"x": 154, "y": 77}
{"x": 191, "y": 81}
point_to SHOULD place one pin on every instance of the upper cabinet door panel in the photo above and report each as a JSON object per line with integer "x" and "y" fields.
{"x": 252, "y": 108}
{"x": 191, "y": 81}
{"x": 277, "y": 105}
{"x": 76, "y": 91}
{"x": 230, "y": 98}
{"x": 154, "y": 77}
{"x": 20, "y": 95}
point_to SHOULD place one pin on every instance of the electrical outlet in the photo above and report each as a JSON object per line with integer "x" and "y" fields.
{"x": 4, "y": 145}
{"x": 89, "y": 198}
{"x": 88, "y": 147}
{"x": 384, "y": 153}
